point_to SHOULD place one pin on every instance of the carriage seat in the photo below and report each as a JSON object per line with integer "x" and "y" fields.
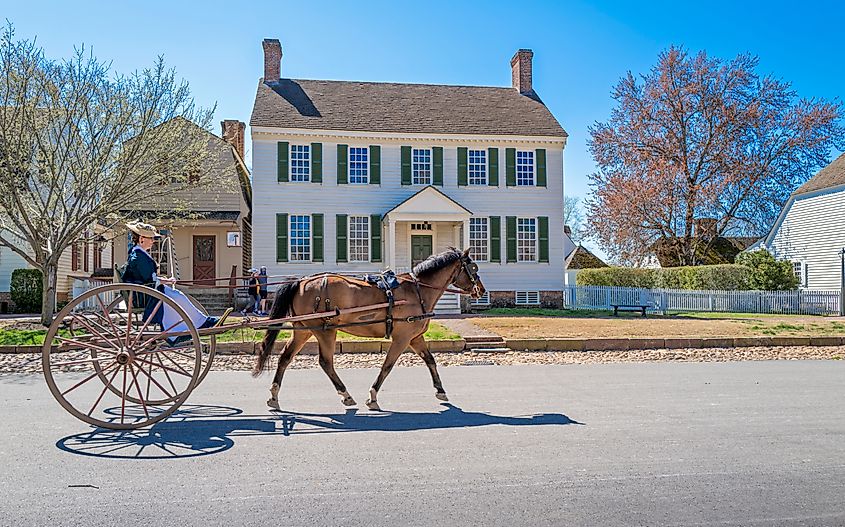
{"x": 385, "y": 280}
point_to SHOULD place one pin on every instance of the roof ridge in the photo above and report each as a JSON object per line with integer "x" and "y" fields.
{"x": 396, "y": 83}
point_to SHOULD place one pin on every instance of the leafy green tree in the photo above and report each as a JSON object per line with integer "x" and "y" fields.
{"x": 767, "y": 273}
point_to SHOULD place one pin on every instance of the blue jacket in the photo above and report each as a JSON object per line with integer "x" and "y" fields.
{"x": 139, "y": 267}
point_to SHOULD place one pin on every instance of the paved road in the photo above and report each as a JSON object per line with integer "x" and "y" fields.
{"x": 754, "y": 443}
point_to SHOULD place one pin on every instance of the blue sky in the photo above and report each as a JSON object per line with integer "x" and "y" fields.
{"x": 580, "y": 48}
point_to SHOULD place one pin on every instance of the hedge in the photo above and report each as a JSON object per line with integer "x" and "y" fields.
{"x": 26, "y": 290}
{"x": 727, "y": 277}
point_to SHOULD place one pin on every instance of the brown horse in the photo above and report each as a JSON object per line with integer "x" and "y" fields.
{"x": 420, "y": 290}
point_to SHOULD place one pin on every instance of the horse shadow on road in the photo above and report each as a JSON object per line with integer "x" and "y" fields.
{"x": 205, "y": 430}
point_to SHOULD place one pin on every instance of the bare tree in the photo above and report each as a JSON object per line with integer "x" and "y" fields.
{"x": 81, "y": 146}
{"x": 573, "y": 216}
{"x": 700, "y": 141}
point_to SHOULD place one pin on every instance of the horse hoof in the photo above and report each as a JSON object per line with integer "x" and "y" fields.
{"x": 273, "y": 403}
{"x": 373, "y": 405}
{"x": 349, "y": 401}
{"x": 441, "y": 396}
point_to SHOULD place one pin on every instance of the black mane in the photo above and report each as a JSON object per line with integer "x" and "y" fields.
{"x": 435, "y": 262}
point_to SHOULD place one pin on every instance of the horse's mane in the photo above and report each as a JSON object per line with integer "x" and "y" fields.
{"x": 435, "y": 262}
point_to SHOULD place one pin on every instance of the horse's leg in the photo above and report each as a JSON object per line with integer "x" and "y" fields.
{"x": 292, "y": 347}
{"x": 420, "y": 346}
{"x": 397, "y": 346}
{"x": 326, "y": 340}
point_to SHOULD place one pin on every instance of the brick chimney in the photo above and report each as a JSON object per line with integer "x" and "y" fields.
{"x": 233, "y": 133}
{"x": 521, "y": 70}
{"x": 272, "y": 60}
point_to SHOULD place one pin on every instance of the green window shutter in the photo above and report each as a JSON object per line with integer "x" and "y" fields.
{"x": 543, "y": 238}
{"x": 375, "y": 237}
{"x": 316, "y": 162}
{"x": 282, "y": 161}
{"x": 342, "y": 170}
{"x": 493, "y": 167}
{"x": 342, "y": 246}
{"x": 281, "y": 237}
{"x": 496, "y": 239}
{"x": 510, "y": 167}
{"x": 462, "y": 167}
{"x": 406, "y": 165}
{"x": 375, "y": 164}
{"x": 437, "y": 165}
{"x": 540, "y": 159}
{"x": 316, "y": 237}
{"x": 510, "y": 237}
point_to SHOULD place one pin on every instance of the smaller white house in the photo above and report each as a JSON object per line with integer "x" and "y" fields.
{"x": 810, "y": 231}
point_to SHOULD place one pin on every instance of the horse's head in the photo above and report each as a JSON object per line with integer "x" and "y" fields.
{"x": 467, "y": 276}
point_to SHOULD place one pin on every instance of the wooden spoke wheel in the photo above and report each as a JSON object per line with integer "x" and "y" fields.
{"x": 145, "y": 372}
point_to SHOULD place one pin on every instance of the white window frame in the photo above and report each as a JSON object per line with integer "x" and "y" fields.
{"x": 366, "y": 165}
{"x": 524, "y": 181}
{"x": 486, "y": 240}
{"x": 527, "y": 298}
{"x": 535, "y": 240}
{"x": 294, "y": 163}
{"x": 291, "y": 253}
{"x": 367, "y": 238}
{"x": 801, "y": 267}
{"x": 414, "y": 166}
{"x": 483, "y": 300}
{"x": 479, "y": 180}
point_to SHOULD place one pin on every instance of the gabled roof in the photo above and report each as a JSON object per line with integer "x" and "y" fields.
{"x": 833, "y": 175}
{"x": 582, "y": 258}
{"x": 428, "y": 201}
{"x": 402, "y": 108}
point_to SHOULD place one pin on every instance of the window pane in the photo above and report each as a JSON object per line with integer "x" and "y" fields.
{"x": 300, "y": 238}
{"x": 358, "y": 165}
{"x": 359, "y": 238}
{"x": 421, "y": 166}
{"x": 300, "y": 162}
{"x": 524, "y": 168}
{"x": 477, "y": 167}
{"x": 526, "y": 239}
{"x": 478, "y": 239}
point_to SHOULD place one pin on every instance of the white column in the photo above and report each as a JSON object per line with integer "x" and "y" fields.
{"x": 466, "y": 234}
{"x": 391, "y": 243}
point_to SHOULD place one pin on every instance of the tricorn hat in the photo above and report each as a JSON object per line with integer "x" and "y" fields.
{"x": 142, "y": 229}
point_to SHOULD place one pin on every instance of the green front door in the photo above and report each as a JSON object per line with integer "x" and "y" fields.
{"x": 420, "y": 248}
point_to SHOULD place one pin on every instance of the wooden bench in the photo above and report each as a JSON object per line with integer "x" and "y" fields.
{"x": 629, "y": 307}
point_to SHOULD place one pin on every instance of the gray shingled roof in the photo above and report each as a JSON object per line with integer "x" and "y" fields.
{"x": 401, "y": 108}
{"x": 832, "y": 175}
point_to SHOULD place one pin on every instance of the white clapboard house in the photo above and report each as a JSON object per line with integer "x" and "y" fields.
{"x": 361, "y": 176}
{"x": 810, "y": 231}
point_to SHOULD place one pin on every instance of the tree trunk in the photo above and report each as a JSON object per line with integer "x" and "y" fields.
{"x": 48, "y": 300}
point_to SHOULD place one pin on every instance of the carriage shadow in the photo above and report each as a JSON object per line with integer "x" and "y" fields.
{"x": 205, "y": 430}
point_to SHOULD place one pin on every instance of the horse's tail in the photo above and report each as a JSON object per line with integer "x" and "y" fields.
{"x": 280, "y": 309}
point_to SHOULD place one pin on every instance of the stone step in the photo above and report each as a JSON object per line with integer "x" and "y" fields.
{"x": 472, "y": 339}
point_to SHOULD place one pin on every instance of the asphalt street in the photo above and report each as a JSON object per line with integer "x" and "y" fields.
{"x": 742, "y": 443}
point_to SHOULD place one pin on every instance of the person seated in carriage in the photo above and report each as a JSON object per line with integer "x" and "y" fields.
{"x": 142, "y": 269}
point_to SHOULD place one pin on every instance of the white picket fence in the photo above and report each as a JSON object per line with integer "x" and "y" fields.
{"x": 800, "y": 302}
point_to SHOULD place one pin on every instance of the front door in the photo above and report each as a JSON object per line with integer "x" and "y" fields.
{"x": 204, "y": 263}
{"x": 420, "y": 248}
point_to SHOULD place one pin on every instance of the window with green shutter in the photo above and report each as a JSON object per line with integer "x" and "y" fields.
{"x": 543, "y": 238}
{"x": 342, "y": 165}
{"x": 493, "y": 167}
{"x": 541, "y": 167}
{"x": 375, "y": 237}
{"x": 510, "y": 167}
{"x": 496, "y": 239}
{"x": 375, "y": 164}
{"x": 510, "y": 238}
{"x": 316, "y": 162}
{"x": 437, "y": 165}
{"x": 317, "y": 237}
{"x": 406, "y": 165}
{"x": 342, "y": 247}
{"x": 463, "y": 178}
{"x": 282, "y": 161}
{"x": 281, "y": 237}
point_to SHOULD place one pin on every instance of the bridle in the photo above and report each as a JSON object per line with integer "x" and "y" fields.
{"x": 467, "y": 266}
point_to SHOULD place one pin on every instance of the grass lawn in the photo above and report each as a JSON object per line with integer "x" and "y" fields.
{"x": 557, "y": 323}
{"x": 11, "y": 335}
